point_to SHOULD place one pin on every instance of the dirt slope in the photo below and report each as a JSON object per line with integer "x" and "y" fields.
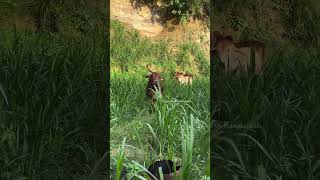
{"x": 146, "y": 22}
{"x": 140, "y": 19}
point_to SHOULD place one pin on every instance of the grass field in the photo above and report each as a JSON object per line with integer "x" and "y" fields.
{"x": 53, "y": 84}
{"x": 267, "y": 127}
{"x": 178, "y": 128}
{"x": 51, "y": 111}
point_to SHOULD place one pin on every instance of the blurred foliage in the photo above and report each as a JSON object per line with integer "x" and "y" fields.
{"x": 53, "y": 16}
{"x": 300, "y": 19}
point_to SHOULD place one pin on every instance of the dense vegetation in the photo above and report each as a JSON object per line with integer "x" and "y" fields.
{"x": 298, "y": 21}
{"x": 133, "y": 52}
{"x": 275, "y": 117}
{"x": 178, "y": 127}
{"x": 64, "y": 16}
{"x": 266, "y": 127}
{"x": 183, "y": 10}
{"x": 52, "y": 86}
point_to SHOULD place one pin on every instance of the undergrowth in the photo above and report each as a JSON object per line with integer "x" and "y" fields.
{"x": 130, "y": 52}
{"x": 254, "y": 19}
{"x": 266, "y": 126}
{"x": 179, "y": 125}
{"x": 51, "y": 108}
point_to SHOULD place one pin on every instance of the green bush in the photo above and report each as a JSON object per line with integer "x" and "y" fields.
{"x": 303, "y": 21}
{"x": 180, "y": 9}
{"x": 183, "y": 9}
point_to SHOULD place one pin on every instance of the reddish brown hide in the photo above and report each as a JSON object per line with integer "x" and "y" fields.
{"x": 184, "y": 78}
{"x": 154, "y": 83}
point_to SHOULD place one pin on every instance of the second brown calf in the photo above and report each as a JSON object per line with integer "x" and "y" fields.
{"x": 184, "y": 78}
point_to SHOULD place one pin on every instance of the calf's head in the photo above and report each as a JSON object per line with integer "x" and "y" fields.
{"x": 220, "y": 43}
{"x": 178, "y": 75}
{"x": 154, "y": 78}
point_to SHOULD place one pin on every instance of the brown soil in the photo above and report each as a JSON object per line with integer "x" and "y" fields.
{"x": 141, "y": 19}
{"x": 144, "y": 20}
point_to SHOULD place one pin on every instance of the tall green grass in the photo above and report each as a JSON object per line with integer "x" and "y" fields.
{"x": 51, "y": 108}
{"x": 265, "y": 126}
{"x": 156, "y": 133}
{"x": 276, "y": 116}
{"x": 177, "y": 127}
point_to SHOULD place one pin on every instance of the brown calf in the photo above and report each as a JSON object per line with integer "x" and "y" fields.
{"x": 237, "y": 54}
{"x": 154, "y": 83}
{"x": 184, "y": 78}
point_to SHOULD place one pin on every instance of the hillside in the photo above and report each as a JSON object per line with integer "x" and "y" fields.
{"x": 281, "y": 22}
{"x": 182, "y": 46}
{"x": 141, "y": 19}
